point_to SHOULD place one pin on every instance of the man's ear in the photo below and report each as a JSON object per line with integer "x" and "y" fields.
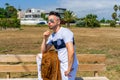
{"x": 59, "y": 21}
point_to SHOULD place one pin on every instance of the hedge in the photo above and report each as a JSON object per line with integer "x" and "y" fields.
{"x": 9, "y": 23}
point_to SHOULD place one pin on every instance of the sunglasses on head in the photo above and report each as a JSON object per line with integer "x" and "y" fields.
{"x": 51, "y": 20}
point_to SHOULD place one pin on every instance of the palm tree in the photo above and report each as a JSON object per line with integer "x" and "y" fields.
{"x": 90, "y": 19}
{"x": 7, "y": 4}
{"x": 68, "y": 17}
{"x": 6, "y": 14}
{"x": 115, "y": 8}
{"x": 114, "y": 15}
{"x": 119, "y": 12}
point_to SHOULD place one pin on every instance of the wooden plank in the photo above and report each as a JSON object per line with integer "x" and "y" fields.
{"x": 100, "y": 58}
{"x": 19, "y": 79}
{"x": 17, "y": 58}
{"x": 32, "y": 58}
{"x": 18, "y": 68}
{"x": 91, "y": 78}
{"x": 77, "y": 78}
{"x": 91, "y": 67}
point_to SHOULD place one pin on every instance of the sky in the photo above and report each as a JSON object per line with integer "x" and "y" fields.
{"x": 101, "y": 8}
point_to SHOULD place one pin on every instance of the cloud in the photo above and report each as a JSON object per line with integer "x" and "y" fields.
{"x": 103, "y": 8}
{"x": 87, "y": 4}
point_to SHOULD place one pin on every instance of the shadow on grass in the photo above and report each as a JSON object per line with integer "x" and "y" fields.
{"x": 78, "y": 78}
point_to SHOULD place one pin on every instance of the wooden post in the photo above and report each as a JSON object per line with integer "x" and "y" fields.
{"x": 8, "y": 75}
{"x": 95, "y": 73}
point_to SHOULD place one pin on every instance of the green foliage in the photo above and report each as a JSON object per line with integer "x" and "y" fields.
{"x": 8, "y": 12}
{"x": 2, "y": 13}
{"x": 103, "y": 20}
{"x": 43, "y": 15}
{"x": 108, "y": 21}
{"x": 113, "y": 23}
{"x": 80, "y": 23}
{"x": 9, "y": 23}
{"x": 114, "y": 15}
{"x": 16, "y": 23}
{"x": 8, "y": 17}
{"x": 89, "y": 21}
{"x": 68, "y": 17}
{"x": 11, "y": 12}
{"x": 96, "y": 23}
{"x": 115, "y": 7}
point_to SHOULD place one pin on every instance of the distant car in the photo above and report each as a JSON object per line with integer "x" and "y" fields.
{"x": 42, "y": 23}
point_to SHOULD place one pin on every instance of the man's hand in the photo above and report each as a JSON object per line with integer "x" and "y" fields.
{"x": 46, "y": 34}
{"x": 67, "y": 73}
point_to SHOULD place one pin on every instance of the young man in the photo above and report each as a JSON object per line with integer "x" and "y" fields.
{"x": 63, "y": 41}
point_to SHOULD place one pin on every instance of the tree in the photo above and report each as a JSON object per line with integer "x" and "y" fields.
{"x": 114, "y": 15}
{"x": 91, "y": 21}
{"x": 115, "y": 8}
{"x": 6, "y": 4}
{"x": 102, "y": 20}
{"x": 11, "y": 12}
{"x": 119, "y": 12}
{"x": 43, "y": 15}
{"x": 112, "y": 23}
{"x": 2, "y": 13}
{"x": 91, "y": 16}
{"x": 68, "y": 17}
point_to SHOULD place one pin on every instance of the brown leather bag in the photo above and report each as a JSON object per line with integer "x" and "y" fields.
{"x": 50, "y": 67}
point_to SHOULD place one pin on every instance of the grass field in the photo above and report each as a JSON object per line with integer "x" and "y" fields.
{"x": 87, "y": 40}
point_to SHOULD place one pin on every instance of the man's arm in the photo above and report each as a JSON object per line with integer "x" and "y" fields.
{"x": 44, "y": 46}
{"x": 70, "y": 49}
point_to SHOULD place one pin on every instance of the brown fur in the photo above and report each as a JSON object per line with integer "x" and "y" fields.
{"x": 50, "y": 68}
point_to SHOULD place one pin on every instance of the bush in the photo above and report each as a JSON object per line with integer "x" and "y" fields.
{"x": 89, "y": 23}
{"x": 113, "y": 23}
{"x": 80, "y": 23}
{"x": 9, "y": 23}
{"x": 96, "y": 23}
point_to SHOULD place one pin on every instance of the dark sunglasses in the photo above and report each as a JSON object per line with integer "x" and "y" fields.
{"x": 51, "y": 20}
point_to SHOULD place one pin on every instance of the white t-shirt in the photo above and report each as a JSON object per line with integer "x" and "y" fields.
{"x": 59, "y": 40}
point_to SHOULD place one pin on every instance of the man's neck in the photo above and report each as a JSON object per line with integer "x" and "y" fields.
{"x": 57, "y": 29}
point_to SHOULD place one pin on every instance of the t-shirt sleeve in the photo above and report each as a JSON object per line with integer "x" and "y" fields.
{"x": 49, "y": 41}
{"x": 67, "y": 36}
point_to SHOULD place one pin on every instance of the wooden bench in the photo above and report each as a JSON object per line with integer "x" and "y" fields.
{"x": 18, "y": 63}
{"x": 92, "y": 63}
{"x": 27, "y": 63}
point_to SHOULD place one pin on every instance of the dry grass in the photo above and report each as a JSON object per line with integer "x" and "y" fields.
{"x": 91, "y": 41}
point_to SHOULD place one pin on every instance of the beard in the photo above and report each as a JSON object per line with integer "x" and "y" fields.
{"x": 53, "y": 27}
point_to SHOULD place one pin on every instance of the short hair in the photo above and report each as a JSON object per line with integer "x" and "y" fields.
{"x": 55, "y": 14}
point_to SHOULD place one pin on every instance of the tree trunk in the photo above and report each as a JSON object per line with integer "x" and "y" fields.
{"x": 68, "y": 24}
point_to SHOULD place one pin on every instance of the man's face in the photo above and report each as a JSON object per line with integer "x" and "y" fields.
{"x": 53, "y": 21}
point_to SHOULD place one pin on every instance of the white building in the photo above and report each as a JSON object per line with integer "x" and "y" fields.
{"x": 31, "y": 17}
